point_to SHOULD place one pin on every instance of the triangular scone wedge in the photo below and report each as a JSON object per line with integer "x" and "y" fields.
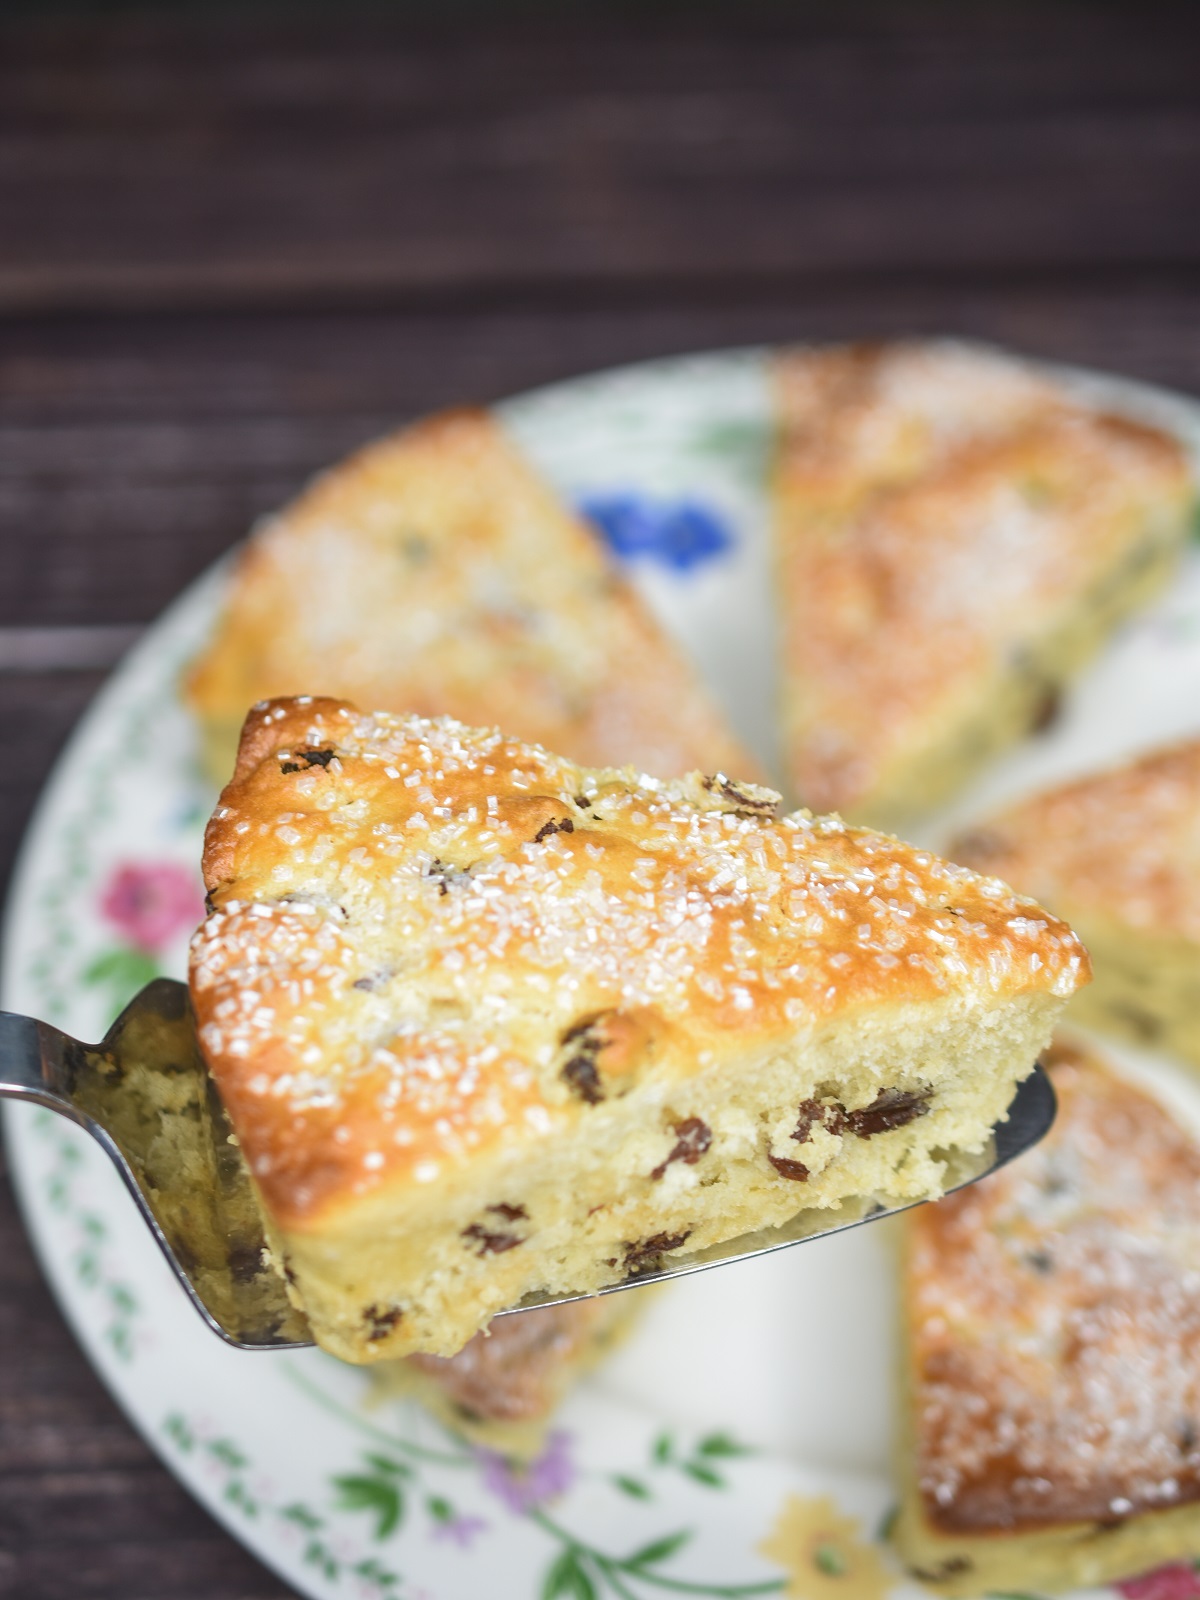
{"x": 436, "y": 572}
{"x": 1052, "y": 1324}
{"x": 1119, "y": 855}
{"x": 955, "y": 538}
{"x": 488, "y": 1023}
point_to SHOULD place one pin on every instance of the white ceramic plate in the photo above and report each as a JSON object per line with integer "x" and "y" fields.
{"x": 748, "y": 1398}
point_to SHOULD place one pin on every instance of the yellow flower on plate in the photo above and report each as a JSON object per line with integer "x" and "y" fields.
{"x": 824, "y": 1554}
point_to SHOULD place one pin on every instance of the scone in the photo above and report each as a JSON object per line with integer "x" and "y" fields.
{"x": 1053, "y": 1326}
{"x": 489, "y": 1024}
{"x": 503, "y": 1387}
{"x": 1118, "y": 855}
{"x": 955, "y": 538}
{"x": 436, "y": 572}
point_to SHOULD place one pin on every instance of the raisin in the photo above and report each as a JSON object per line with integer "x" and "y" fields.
{"x": 444, "y": 874}
{"x": 491, "y": 1243}
{"x": 786, "y": 1168}
{"x": 307, "y": 759}
{"x": 692, "y": 1139}
{"x": 555, "y": 825}
{"x": 1046, "y": 709}
{"x": 816, "y": 1114}
{"x": 1041, "y": 1262}
{"x": 891, "y": 1108}
{"x": 372, "y": 981}
{"x": 944, "y": 1569}
{"x": 1189, "y": 1436}
{"x": 381, "y": 1320}
{"x": 747, "y": 805}
{"x": 644, "y": 1255}
{"x": 510, "y": 1213}
{"x": 580, "y": 1068}
{"x": 245, "y": 1263}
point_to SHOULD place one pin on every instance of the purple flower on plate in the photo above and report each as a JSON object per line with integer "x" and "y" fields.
{"x": 149, "y": 902}
{"x": 523, "y": 1486}
{"x": 678, "y": 533}
{"x": 460, "y": 1530}
{"x": 1176, "y": 1581}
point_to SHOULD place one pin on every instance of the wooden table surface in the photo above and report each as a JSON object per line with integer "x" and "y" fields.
{"x": 231, "y": 248}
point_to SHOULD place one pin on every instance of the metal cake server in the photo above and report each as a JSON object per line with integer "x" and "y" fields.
{"x": 145, "y": 1096}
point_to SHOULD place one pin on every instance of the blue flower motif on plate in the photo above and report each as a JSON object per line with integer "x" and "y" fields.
{"x": 681, "y": 534}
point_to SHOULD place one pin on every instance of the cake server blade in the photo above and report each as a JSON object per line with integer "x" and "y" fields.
{"x": 146, "y": 1097}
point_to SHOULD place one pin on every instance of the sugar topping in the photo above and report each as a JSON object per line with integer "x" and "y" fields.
{"x": 404, "y": 959}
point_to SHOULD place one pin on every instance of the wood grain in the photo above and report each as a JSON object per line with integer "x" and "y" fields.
{"x": 226, "y": 161}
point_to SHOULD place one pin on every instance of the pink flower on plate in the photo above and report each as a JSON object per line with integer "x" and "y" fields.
{"x": 149, "y": 902}
{"x": 1176, "y": 1581}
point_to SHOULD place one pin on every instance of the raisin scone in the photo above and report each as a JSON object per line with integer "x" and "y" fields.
{"x": 1052, "y": 1319}
{"x": 503, "y": 1387}
{"x": 488, "y": 1023}
{"x": 1118, "y": 854}
{"x": 436, "y": 572}
{"x": 955, "y": 537}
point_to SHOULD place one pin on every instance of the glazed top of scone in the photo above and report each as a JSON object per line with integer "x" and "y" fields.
{"x": 1122, "y": 845}
{"x": 424, "y": 938}
{"x": 1055, "y": 1317}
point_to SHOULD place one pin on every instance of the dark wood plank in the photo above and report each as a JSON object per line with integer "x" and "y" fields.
{"x": 229, "y": 160}
{"x": 134, "y": 450}
{"x": 37, "y": 711}
{"x": 85, "y": 1509}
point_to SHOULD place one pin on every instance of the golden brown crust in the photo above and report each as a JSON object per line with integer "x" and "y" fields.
{"x": 1122, "y": 845}
{"x": 434, "y": 572}
{"x": 427, "y": 939}
{"x": 945, "y": 519}
{"x": 1054, "y": 1322}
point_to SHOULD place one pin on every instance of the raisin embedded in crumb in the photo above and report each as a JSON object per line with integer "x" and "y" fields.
{"x": 555, "y": 825}
{"x": 245, "y": 1263}
{"x": 1189, "y": 1436}
{"x": 692, "y": 1139}
{"x": 748, "y": 805}
{"x": 816, "y": 1114}
{"x": 891, "y": 1108}
{"x": 381, "y": 1320}
{"x": 787, "y": 1168}
{"x": 510, "y": 1213}
{"x": 1046, "y": 709}
{"x": 944, "y": 1569}
{"x": 289, "y": 1274}
{"x": 644, "y": 1255}
{"x": 580, "y": 1067}
{"x": 1041, "y": 1262}
{"x": 582, "y": 801}
{"x": 490, "y": 1242}
{"x": 308, "y": 758}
